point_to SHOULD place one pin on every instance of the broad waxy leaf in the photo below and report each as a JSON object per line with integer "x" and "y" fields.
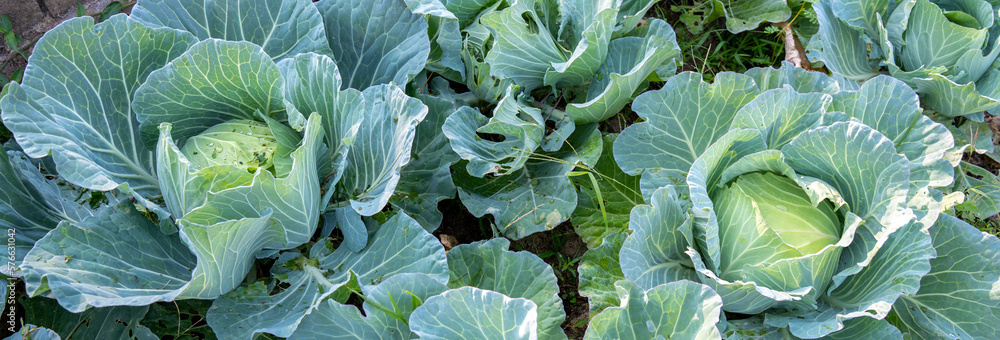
{"x": 31, "y": 205}
{"x": 528, "y": 34}
{"x": 426, "y": 180}
{"x": 252, "y": 309}
{"x": 624, "y": 71}
{"x": 930, "y": 147}
{"x": 376, "y": 41}
{"x": 681, "y": 309}
{"x": 445, "y": 56}
{"x": 215, "y": 81}
{"x": 747, "y": 15}
{"x": 399, "y": 295}
{"x": 654, "y": 253}
{"x": 682, "y": 120}
{"x": 469, "y": 312}
{"x": 521, "y": 126}
{"x": 965, "y": 270}
{"x": 752, "y": 328}
{"x": 840, "y": 46}
{"x": 879, "y": 196}
{"x": 782, "y": 114}
{"x": 800, "y": 80}
{"x": 75, "y": 102}
{"x": 981, "y": 188}
{"x": 537, "y": 197}
{"x": 383, "y": 146}
{"x": 282, "y": 28}
{"x": 36, "y": 332}
{"x": 866, "y": 328}
{"x": 400, "y": 245}
{"x": 116, "y": 258}
{"x": 477, "y": 43}
{"x": 312, "y": 84}
{"x": 120, "y": 322}
{"x": 489, "y": 265}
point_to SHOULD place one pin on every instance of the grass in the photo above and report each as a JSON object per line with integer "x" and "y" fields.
{"x": 710, "y": 48}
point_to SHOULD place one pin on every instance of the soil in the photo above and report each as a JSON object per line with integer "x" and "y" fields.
{"x": 562, "y": 248}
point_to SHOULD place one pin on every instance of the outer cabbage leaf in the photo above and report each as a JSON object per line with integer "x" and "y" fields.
{"x": 624, "y": 71}
{"x": 599, "y": 269}
{"x": 799, "y": 79}
{"x": 654, "y": 253}
{"x": 282, "y": 28}
{"x": 782, "y": 114}
{"x": 867, "y": 328}
{"x": 528, "y": 36}
{"x": 682, "y": 119}
{"x": 929, "y": 146}
{"x": 377, "y": 42}
{"x": 399, "y": 294}
{"x": 965, "y": 270}
{"x": 753, "y": 328}
{"x": 117, "y": 257}
{"x": 981, "y": 188}
{"x": 476, "y": 44}
{"x": 116, "y": 322}
{"x": 312, "y": 84}
{"x": 619, "y": 193}
{"x": 840, "y": 46}
{"x": 469, "y": 312}
{"x": 382, "y": 147}
{"x": 35, "y": 332}
{"x": 445, "y": 57}
{"x": 399, "y": 245}
{"x": 536, "y": 198}
{"x": 681, "y": 309}
{"x": 252, "y": 309}
{"x": 426, "y": 180}
{"x": 215, "y": 81}
{"x": 521, "y": 126}
{"x": 489, "y": 265}
{"x": 747, "y": 15}
{"x": 630, "y": 15}
{"x": 31, "y": 205}
{"x": 76, "y": 103}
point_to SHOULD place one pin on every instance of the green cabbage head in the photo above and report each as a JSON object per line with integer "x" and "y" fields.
{"x": 810, "y": 210}
{"x": 944, "y": 49}
{"x": 773, "y": 208}
{"x": 246, "y": 144}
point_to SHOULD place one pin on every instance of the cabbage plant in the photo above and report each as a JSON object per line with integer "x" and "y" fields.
{"x": 540, "y": 74}
{"x": 945, "y": 50}
{"x": 192, "y": 150}
{"x": 810, "y": 210}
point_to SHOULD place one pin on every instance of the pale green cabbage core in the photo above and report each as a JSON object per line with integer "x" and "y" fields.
{"x": 769, "y": 217}
{"x": 245, "y": 144}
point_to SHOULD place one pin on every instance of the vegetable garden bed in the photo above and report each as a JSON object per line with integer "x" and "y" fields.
{"x": 532, "y": 169}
